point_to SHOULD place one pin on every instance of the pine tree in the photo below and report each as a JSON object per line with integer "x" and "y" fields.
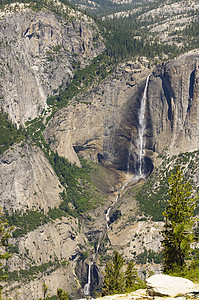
{"x": 131, "y": 276}
{"x": 177, "y": 232}
{"x": 45, "y": 290}
{"x": 4, "y": 235}
{"x": 132, "y": 280}
{"x": 114, "y": 280}
{"x": 62, "y": 295}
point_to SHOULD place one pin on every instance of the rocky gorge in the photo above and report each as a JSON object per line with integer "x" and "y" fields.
{"x": 40, "y": 52}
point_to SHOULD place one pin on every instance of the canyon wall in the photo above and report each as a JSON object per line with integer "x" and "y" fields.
{"x": 104, "y": 127}
{"x": 39, "y": 52}
{"x": 172, "y": 106}
{"x": 27, "y": 180}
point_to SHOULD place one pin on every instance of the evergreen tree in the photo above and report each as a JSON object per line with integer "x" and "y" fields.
{"x": 4, "y": 235}
{"x": 177, "y": 232}
{"x": 114, "y": 280}
{"x": 45, "y": 290}
{"x": 132, "y": 280}
{"x": 131, "y": 276}
{"x": 62, "y": 295}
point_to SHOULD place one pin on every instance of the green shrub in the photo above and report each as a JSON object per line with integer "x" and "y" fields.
{"x": 9, "y": 134}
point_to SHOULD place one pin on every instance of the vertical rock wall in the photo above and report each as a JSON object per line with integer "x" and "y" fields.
{"x": 105, "y": 129}
{"x": 172, "y": 106}
{"x": 38, "y": 54}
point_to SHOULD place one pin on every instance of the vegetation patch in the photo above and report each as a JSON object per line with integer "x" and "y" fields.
{"x": 188, "y": 36}
{"x": 9, "y": 134}
{"x": 25, "y": 222}
{"x": 26, "y": 275}
{"x": 152, "y": 195}
{"x": 79, "y": 189}
{"x": 149, "y": 256}
{"x": 98, "y": 69}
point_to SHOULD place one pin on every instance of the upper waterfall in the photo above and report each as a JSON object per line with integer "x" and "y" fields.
{"x": 141, "y": 130}
{"x": 137, "y": 145}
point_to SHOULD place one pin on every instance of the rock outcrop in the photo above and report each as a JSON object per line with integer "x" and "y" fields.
{"x": 173, "y": 107}
{"x": 27, "y": 180}
{"x": 165, "y": 285}
{"x": 38, "y": 52}
{"x": 55, "y": 247}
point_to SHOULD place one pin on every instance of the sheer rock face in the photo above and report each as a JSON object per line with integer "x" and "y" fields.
{"x": 102, "y": 128}
{"x": 134, "y": 238}
{"x": 105, "y": 129}
{"x": 38, "y": 51}
{"x": 27, "y": 180}
{"x": 173, "y": 106}
{"x": 60, "y": 278}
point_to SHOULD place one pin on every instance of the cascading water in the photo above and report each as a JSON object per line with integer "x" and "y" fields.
{"x": 140, "y": 141}
{"x": 140, "y": 172}
{"x": 141, "y": 129}
{"x": 118, "y": 194}
{"x": 87, "y": 285}
{"x": 91, "y": 262}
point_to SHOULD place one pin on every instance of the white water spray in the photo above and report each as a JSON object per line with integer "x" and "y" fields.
{"x": 141, "y": 130}
{"x": 107, "y": 216}
{"x": 87, "y": 285}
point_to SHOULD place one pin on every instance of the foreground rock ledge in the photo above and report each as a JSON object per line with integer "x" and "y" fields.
{"x": 161, "y": 287}
{"x": 143, "y": 295}
{"x": 165, "y": 285}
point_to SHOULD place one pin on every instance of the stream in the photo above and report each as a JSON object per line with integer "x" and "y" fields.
{"x": 132, "y": 179}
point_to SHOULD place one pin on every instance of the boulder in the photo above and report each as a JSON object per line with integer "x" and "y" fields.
{"x": 165, "y": 285}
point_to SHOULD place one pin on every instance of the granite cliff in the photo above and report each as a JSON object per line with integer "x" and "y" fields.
{"x": 21, "y": 187}
{"x": 173, "y": 120}
{"x": 103, "y": 129}
{"x": 40, "y": 52}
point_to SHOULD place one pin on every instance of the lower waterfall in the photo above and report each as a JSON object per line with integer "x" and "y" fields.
{"x": 91, "y": 262}
{"x": 87, "y": 285}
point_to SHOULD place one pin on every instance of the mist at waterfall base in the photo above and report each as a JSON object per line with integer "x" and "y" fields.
{"x": 134, "y": 166}
{"x": 93, "y": 280}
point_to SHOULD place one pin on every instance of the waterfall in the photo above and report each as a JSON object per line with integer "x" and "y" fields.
{"x": 87, "y": 285}
{"x": 138, "y": 154}
{"x": 107, "y": 216}
{"x": 119, "y": 193}
{"x": 141, "y": 130}
{"x": 140, "y": 143}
